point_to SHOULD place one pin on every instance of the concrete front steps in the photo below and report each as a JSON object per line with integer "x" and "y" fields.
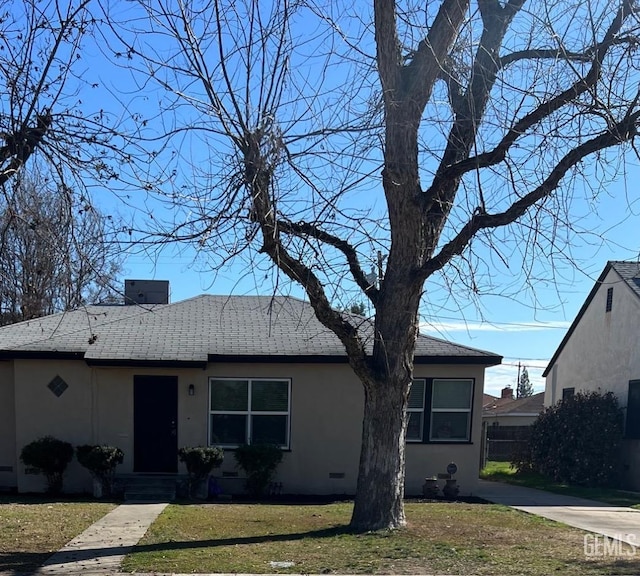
{"x": 148, "y": 487}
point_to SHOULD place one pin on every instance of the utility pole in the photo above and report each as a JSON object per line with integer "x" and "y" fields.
{"x": 518, "y": 382}
{"x": 381, "y": 260}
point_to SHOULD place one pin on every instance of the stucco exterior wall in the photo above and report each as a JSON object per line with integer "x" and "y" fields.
{"x": 40, "y": 413}
{"x": 325, "y": 421}
{"x": 603, "y": 351}
{"x": 8, "y": 463}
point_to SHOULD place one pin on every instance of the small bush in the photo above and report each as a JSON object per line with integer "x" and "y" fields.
{"x": 101, "y": 461}
{"x": 51, "y": 457}
{"x": 576, "y": 441}
{"x": 259, "y": 462}
{"x": 200, "y": 461}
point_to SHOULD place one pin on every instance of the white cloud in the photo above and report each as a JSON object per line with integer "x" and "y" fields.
{"x": 498, "y": 377}
{"x": 444, "y": 327}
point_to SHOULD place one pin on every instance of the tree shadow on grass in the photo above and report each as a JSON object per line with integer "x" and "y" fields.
{"x": 14, "y": 563}
{"x": 18, "y": 563}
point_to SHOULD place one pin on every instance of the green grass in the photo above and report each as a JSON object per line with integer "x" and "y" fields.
{"x": 441, "y": 538}
{"x": 31, "y": 529}
{"x": 504, "y": 472}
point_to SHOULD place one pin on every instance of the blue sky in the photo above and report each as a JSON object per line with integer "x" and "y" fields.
{"x": 524, "y": 323}
{"x": 507, "y": 326}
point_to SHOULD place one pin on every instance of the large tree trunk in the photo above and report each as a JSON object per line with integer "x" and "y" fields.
{"x": 380, "y": 489}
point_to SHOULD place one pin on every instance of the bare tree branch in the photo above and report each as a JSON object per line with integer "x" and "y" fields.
{"x": 622, "y": 132}
{"x": 306, "y": 229}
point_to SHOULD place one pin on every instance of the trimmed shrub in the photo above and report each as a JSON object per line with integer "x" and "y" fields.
{"x": 200, "y": 461}
{"x": 51, "y": 457}
{"x": 576, "y": 441}
{"x": 101, "y": 461}
{"x": 259, "y": 463}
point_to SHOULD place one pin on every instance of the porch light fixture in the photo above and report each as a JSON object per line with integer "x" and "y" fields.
{"x": 192, "y": 390}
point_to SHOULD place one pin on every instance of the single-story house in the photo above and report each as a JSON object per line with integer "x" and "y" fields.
{"x": 507, "y": 412}
{"x": 225, "y": 370}
{"x": 507, "y": 422}
{"x": 601, "y": 352}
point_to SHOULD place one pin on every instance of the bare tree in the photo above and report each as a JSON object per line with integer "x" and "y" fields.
{"x": 283, "y": 122}
{"x": 54, "y": 253}
{"x": 40, "y": 69}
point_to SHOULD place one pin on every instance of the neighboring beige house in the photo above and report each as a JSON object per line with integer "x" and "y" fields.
{"x": 508, "y": 411}
{"x": 601, "y": 351}
{"x": 150, "y": 378}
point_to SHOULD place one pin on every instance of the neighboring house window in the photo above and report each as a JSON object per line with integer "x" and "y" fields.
{"x": 415, "y": 411}
{"x": 440, "y": 410}
{"x": 609, "y": 299}
{"x": 451, "y": 402}
{"x": 568, "y": 392}
{"x": 632, "y": 428}
{"x": 249, "y": 411}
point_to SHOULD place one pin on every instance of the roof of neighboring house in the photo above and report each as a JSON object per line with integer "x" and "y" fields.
{"x": 530, "y": 405}
{"x": 202, "y": 329}
{"x": 629, "y": 272}
{"x": 488, "y": 400}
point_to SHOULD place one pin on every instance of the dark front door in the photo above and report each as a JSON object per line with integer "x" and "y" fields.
{"x": 155, "y": 420}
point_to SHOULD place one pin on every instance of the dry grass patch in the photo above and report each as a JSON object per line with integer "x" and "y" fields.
{"x": 30, "y": 531}
{"x": 442, "y": 538}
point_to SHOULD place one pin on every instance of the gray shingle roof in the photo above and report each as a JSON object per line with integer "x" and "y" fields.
{"x": 530, "y": 405}
{"x": 198, "y": 329}
{"x": 629, "y": 272}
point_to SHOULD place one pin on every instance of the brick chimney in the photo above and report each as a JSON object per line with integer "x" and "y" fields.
{"x": 507, "y": 392}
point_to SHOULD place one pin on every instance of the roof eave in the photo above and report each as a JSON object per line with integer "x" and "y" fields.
{"x": 578, "y": 317}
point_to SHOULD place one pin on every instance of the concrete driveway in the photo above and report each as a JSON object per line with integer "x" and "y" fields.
{"x": 616, "y": 522}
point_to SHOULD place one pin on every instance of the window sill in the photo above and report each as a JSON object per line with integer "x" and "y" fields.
{"x": 440, "y": 442}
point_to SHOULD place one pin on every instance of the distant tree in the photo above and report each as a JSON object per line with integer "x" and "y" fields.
{"x": 525, "y": 388}
{"x": 54, "y": 252}
{"x": 358, "y": 308}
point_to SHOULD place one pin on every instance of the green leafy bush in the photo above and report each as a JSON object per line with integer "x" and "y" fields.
{"x": 200, "y": 461}
{"x": 259, "y": 462}
{"x": 576, "y": 441}
{"x": 51, "y": 457}
{"x": 101, "y": 461}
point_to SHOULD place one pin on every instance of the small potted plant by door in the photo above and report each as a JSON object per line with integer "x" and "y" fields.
{"x": 430, "y": 487}
{"x": 101, "y": 461}
{"x": 200, "y": 461}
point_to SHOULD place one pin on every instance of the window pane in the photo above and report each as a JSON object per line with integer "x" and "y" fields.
{"x": 451, "y": 394}
{"x": 228, "y": 429}
{"x": 414, "y": 426}
{"x": 269, "y": 430}
{"x": 229, "y": 395}
{"x": 450, "y": 425}
{"x": 269, "y": 396}
{"x": 416, "y": 394}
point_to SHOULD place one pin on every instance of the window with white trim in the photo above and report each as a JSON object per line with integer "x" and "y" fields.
{"x": 415, "y": 411}
{"x": 451, "y": 403}
{"x": 249, "y": 411}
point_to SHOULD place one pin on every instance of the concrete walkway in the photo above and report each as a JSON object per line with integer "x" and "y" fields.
{"x": 616, "y": 522}
{"x": 100, "y": 549}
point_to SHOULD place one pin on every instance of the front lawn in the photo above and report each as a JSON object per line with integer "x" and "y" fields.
{"x": 31, "y": 529}
{"x": 504, "y": 472}
{"x": 441, "y": 538}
